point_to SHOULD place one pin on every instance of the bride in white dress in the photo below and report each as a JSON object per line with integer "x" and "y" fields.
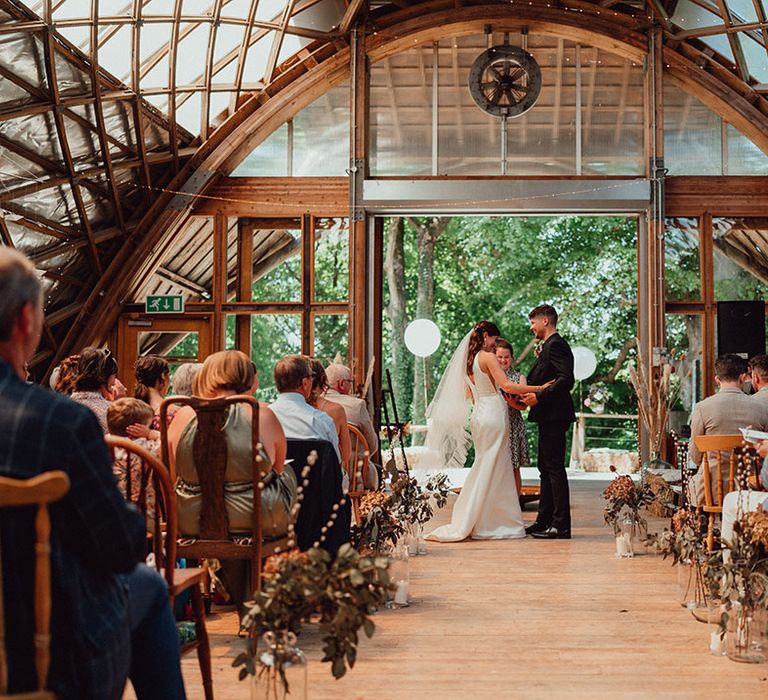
{"x": 488, "y": 506}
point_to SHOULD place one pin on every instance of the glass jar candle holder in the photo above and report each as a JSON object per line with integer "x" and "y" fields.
{"x": 400, "y": 577}
{"x": 281, "y": 669}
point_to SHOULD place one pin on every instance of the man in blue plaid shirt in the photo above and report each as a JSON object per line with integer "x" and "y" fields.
{"x": 111, "y": 617}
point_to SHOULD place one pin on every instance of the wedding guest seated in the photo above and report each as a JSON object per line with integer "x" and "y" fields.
{"x": 94, "y": 381}
{"x": 228, "y": 373}
{"x": 740, "y": 502}
{"x": 293, "y": 379}
{"x": 110, "y": 615}
{"x": 181, "y": 384}
{"x": 723, "y": 414}
{"x": 153, "y": 378}
{"x": 121, "y": 415}
{"x": 758, "y": 366}
{"x": 341, "y": 383}
{"x": 63, "y": 377}
{"x": 335, "y": 411}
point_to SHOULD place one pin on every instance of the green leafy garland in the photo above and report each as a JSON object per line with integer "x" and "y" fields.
{"x": 344, "y": 592}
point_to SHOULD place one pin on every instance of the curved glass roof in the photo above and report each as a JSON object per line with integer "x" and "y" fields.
{"x": 101, "y": 102}
{"x": 192, "y": 59}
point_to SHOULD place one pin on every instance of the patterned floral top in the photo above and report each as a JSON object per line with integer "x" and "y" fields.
{"x": 120, "y": 468}
{"x": 518, "y": 439}
{"x": 96, "y": 402}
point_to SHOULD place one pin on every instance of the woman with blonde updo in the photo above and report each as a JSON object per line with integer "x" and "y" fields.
{"x": 229, "y": 373}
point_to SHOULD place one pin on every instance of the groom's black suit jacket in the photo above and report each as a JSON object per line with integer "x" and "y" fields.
{"x": 554, "y": 362}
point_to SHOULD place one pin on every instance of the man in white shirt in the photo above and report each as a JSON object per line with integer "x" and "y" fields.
{"x": 723, "y": 414}
{"x": 293, "y": 379}
{"x": 340, "y": 382}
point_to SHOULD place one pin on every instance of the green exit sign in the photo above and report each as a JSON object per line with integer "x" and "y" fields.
{"x": 164, "y": 304}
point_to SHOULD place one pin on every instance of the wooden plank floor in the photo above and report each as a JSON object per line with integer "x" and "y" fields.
{"x": 523, "y": 619}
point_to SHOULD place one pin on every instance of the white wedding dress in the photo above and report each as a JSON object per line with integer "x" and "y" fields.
{"x": 488, "y": 506}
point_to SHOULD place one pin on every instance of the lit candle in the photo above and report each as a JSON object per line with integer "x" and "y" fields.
{"x": 401, "y": 595}
{"x": 623, "y": 548}
{"x": 715, "y": 643}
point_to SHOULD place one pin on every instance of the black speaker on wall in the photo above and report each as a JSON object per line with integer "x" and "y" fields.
{"x": 741, "y": 327}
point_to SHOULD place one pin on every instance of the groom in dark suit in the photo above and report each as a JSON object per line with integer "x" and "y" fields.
{"x": 552, "y": 409}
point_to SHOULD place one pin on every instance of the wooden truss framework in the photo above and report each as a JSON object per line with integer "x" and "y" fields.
{"x": 131, "y": 173}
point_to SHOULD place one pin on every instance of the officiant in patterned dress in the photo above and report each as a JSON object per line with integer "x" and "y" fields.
{"x": 518, "y": 438}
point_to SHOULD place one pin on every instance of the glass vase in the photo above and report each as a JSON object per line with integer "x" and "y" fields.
{"x": 692, "y": 589}
{"x": 746, "y": 638}
{"x": 716, "y": 637}
{"x": 281, "y": 669}
{"x": 627, "y": 537}
{"x": 400, "y": 577}
{"x": 414, "y": 538}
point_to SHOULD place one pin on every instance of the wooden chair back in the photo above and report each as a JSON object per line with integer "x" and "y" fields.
{"x": 355, "y": 468}
{"x": 149, "y": 470}
{"x": 210, "y": 457}
{"x": 152, "y": 475}
{"x": 718, "y": 444}
{"x": 38, "y": 491}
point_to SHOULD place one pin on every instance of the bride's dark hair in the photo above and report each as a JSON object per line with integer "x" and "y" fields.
{"x": 476, "y": 340}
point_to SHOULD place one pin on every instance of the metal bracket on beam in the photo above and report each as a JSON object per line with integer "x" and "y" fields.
{"x": 356, "y": 169}
{"x": 190, "y": 189}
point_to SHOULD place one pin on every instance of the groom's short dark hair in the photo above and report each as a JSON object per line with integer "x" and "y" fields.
{"x": 545, "y": 310}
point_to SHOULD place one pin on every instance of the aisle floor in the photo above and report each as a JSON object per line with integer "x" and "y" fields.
{"x": 522, "y": 619}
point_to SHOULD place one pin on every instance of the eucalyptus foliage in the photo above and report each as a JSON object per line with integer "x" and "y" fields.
{"x": 343, "y": 591}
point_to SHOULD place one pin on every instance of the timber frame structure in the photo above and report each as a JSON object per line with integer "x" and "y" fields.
{"x": 149, "y": 179}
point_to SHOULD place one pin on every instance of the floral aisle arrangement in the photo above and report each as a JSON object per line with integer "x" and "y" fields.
{"x": 344, "y": 592}
{"x": 623, "y": 500}
{"x": 685, "y": 542}
{"x": 412, "y": 505}
{"x": 656, "y": 394}
{"x": 738, "y": 576}
{"x": 378, "y": 529}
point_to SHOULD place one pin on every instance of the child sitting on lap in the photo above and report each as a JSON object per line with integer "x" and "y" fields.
{"x": 121, "y": 414}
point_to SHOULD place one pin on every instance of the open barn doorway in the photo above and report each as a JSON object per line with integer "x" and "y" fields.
{"x": 457, "y": 270}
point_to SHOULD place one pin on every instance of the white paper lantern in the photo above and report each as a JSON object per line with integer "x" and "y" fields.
{"x": 422, "y": 337}
{"x": 584, "y": 363}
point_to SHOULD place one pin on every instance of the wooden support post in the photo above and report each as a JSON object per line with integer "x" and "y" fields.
{"x": 219, "y": 287}
{"x": 244, "y": 283}
{"x": 307, "y": 282}
{"x": 654, "y": 257}
{"x": 358, "y": 225}
{"x": 709, "y": 352}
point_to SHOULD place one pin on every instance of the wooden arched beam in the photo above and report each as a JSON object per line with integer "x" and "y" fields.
{"x": 312, "y": 73}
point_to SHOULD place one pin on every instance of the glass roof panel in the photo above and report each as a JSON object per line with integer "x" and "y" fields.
{"x": 755, "y": 56}
{"x": 742, "y": 11}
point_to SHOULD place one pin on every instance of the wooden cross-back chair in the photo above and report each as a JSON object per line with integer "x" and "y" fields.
{"x": 150, "y": 475}
{"x": 724, "y": 481}
{"x": 210, "y": 456}
{"x": 355, "y": 469}
{"x": 38, "y": 491}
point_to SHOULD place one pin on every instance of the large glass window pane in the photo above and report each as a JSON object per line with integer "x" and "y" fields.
{"x": 277, "y": 262}
{"x": 744, "y": 158}
{"x": 331, "y": 333}
{"x": 611, "y": 114}
{"x": 401, "y": 113}
{"x": 740, "y": 257}
{"x": 685, "y": 340}
{"x": 273, "y": 337}
{"x": 321, "y": 135}
{"x": 682, "y": 259}
{"x": 692, "y": 134}
{"x": 268, "y": 159}
{"x": 331, "y": 260}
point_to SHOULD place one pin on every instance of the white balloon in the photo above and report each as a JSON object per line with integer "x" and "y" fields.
{"x": 584, "y": 363}
{"x": 422, "y": 337}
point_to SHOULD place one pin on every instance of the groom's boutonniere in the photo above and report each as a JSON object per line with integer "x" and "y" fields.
{"x": 537, "y": 349}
